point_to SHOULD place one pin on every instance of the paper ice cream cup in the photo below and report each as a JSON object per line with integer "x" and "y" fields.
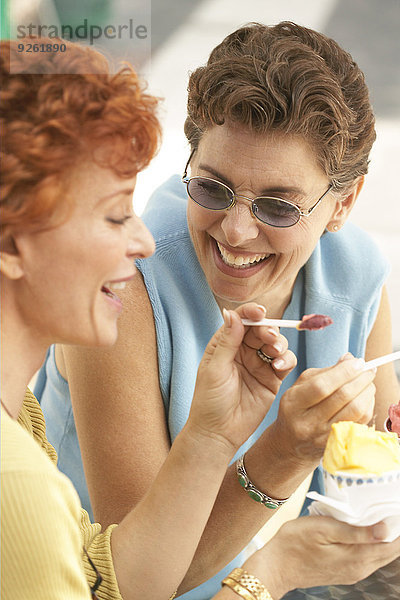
{"x": 360, "y": 499}
{"x": 342, "y": 482}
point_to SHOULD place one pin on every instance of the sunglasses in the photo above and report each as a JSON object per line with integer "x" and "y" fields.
{"x": 214, "y": 195}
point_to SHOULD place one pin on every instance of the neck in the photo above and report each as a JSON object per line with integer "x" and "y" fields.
{"x": 22, "y": 354}
{"x": 275, "y": 303}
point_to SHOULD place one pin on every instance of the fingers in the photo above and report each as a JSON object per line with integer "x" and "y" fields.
{"x": 257, "y": 336}
{"x": 284, "y": 364}
{"x": 273, "y": 345}
{"x": 225, "y": 344}
{"x": 270, "y": 341}
{"x": 364, "y": 542}
{"x": 315, "y": 385}
{"x": 353, "y": 401}
{"x": 337, "y": 532}
{"x": 360, "y": 408}
{"x": 252, "y": 311}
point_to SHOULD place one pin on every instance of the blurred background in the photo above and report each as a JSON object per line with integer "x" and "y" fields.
{"x": 181, "y": 33}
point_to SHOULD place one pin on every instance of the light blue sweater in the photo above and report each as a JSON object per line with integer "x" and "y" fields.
{"x": 343, "y": 279}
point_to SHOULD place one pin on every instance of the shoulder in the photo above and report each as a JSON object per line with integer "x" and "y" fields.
{"x": 352, "y": 243}
{"x": 165, "y": 212}
{"x": 174, "y": 257}
{"x": 31, "y": 418}
{"x": 347, "y": 265}
{"x": 40, "y": 519}
{"x": 24, "y": 460}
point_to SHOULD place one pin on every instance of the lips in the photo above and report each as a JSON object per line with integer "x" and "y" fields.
{"x": 237, "y": 265}
{"x": 108, "y": 290}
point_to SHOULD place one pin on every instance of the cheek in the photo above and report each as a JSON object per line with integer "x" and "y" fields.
{"x": 298, "y": 239}
{"x": 200, "y": 219}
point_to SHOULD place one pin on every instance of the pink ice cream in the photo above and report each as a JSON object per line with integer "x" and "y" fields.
{"x": 313, "y": 322}
{"x": 394, "y": 416}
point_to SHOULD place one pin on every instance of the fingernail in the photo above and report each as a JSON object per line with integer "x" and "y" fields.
{"x": 278, "y": 346}
{"x": 346, "y": 356}
{"x": 227, "y": 318}
{"x": 262, "y": 308}
{"x": 273, "y": 332}
{"x": 278, "y": 363}
{"x": 379, "y": 531}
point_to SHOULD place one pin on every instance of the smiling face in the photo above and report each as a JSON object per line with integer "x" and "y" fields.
{"x": 71, "y": 273}
{"x": 244, "y": 259}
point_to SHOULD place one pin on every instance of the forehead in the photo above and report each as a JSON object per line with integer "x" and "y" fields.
{"x": 91, "y": 184}
{"x": 240, "y": 152}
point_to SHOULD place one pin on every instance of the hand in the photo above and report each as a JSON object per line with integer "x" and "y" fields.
{"x": 234, "y": 387}
{"x": 313, "y": 551}
{"x": 319, "y": 398}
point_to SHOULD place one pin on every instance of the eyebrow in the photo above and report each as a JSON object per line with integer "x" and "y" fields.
{"x": 274, "y": 189}
{"x": 124, "y": 192}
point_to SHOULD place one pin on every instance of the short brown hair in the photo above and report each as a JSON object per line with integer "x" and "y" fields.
{"x": 292, "y": 79}
{"x": 53, "y": 115}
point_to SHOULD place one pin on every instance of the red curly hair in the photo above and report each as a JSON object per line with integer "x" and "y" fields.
{"x": 56, "y": 109}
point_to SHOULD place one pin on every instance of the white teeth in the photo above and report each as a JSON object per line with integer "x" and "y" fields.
{"x": 118, "y": 285}
{"x": 240, "y": 261}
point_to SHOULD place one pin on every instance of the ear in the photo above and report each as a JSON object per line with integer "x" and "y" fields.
{"x": 10, "y": 259}
{"x": 344, "y": 206}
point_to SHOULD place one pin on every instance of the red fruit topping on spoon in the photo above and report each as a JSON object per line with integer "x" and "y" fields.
{"x": 313, "y": 322}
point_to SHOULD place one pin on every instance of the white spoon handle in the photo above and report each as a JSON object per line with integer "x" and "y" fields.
{"x": 382, "y": 360}
{"x": 272, "y": 322}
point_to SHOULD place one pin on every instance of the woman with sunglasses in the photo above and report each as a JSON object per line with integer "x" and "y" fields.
{"x": 280, "y": 128}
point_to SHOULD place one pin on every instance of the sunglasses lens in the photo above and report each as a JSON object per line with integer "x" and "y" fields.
{"x": 276, "y": 212}
{"x": 209, "y": 193}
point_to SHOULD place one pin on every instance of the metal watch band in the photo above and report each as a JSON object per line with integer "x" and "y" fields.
{"x": 247, "y": 586}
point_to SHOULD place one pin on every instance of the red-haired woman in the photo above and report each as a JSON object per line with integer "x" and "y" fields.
{"x": 73, "y": 144}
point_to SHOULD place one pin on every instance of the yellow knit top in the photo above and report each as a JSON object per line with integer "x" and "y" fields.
{"x": 43, "y": 527}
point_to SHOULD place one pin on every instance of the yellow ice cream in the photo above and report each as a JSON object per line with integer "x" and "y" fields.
{"x": 361, "y": 449}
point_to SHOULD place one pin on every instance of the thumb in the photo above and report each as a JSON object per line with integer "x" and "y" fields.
{"x": 227, "y": 342}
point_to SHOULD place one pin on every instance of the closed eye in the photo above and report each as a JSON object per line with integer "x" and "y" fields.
{"x": 121, "y": 221}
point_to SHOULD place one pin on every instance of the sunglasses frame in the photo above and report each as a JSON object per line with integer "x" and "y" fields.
{"x": 254, "y": 207}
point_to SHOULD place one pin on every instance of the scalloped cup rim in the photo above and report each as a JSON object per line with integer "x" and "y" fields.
{"x": 354, "y": 475}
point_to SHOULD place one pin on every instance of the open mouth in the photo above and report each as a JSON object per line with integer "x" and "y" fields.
{"x": 108, "y": 289}
{"x": 241, "y": 262}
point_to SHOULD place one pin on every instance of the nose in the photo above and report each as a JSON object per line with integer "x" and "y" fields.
{"x": 239, "y": 224}
{"x": 141, "y": 243}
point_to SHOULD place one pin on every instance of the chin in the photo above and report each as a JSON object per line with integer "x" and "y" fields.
{"x": 107, "y": 338}
{"x": 233, "y": 301}
{"x": 104, "y": 335}
{"x": 238, "y": 296}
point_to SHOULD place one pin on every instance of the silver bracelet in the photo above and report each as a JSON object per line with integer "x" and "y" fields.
{"x": 251, "y": 489}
